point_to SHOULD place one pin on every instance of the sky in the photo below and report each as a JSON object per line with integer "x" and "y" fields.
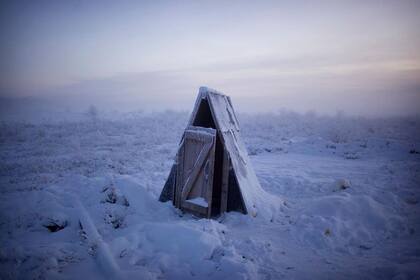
{"x": 358, "y": 57}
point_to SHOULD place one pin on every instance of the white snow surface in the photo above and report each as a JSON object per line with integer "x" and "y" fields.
{"x": 349, "y": 190}
{"x": 199, "y": 201}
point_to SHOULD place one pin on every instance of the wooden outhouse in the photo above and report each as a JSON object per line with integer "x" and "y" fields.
{"x": 212, "y": 172}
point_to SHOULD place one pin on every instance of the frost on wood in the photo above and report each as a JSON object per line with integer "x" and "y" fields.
{"x": 233, "y": 185}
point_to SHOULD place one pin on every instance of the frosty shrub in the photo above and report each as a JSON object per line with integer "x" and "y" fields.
{"x": 337, "y": 134}
{"x": 92, "y": 113}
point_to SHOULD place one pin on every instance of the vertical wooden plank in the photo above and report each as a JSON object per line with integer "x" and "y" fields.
{"x": 180, "y": 175}
{"x": 168, "y": 190}
{"x": 210, "y": 177}
{"x": 225, "y": 181}
{"x": 176, "y": 178}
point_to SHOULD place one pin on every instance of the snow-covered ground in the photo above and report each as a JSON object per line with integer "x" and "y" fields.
{"x": 350, "y": 189}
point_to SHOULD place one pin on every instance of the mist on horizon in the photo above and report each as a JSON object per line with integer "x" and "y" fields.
{"x": 360, "y": 58}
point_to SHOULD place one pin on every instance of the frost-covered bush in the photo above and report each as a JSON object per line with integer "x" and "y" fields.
{"x": 278, "y": 131}
{"x": 92, "y": 113}
{"x": 135, "y": 142}
{"x": 130, "y": 144}
{"x": 337, "y": 135}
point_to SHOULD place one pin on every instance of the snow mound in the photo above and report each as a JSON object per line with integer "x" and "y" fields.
{"x": 346, "y": 223}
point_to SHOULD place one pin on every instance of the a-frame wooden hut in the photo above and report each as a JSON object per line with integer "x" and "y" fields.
{"x": 212, "y": 173}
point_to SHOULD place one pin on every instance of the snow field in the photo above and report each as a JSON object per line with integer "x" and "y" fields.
{"x": 349, "y": 189}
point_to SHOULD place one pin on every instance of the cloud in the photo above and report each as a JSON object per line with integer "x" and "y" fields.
{"x": 369, "y": 87}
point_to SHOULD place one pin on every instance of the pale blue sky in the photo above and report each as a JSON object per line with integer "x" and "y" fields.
{"x": 358, "y": 56}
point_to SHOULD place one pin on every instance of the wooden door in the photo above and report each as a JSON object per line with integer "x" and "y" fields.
{"x": 194, "y": 184}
